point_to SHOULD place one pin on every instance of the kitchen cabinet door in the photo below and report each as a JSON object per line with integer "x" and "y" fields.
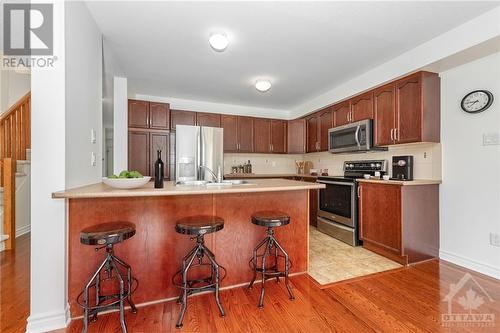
{"x": 325, "y": 123}
{"x": 138, "y": 113}
{"x": 384, "y": 105}
{"x": 208, "y": 119}
{"x": 159, "y": 114}
{"x": 312, "y": 134}
{"x": 278, "y": 136}
{"x": 181, "y": 117}
{"x": 409, "y": 110}
{"x": 296, "y": 136}
{"x": 380, "y": 215}
{"x": 342, "y": 113}
{"x": 139, "y": 152}
{"x": 245, "y": 134}
{"x": 230, "y": 126}
{"x": 362, "y": 107}
{"x": 160, "y": 141}
{"x": 262, "y": 135}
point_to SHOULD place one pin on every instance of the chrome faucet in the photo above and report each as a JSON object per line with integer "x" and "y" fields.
{"x": 218, "y": 177}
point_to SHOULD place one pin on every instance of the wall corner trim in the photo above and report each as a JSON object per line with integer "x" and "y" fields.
{"x": 48, "y": 321}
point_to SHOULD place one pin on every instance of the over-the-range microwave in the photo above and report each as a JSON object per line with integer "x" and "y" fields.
{"x": 353, "y": 137}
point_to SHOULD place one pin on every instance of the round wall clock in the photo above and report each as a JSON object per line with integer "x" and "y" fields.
{"x": 477, "y": 101}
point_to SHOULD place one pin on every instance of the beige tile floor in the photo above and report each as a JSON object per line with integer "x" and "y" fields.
{"x": 331, "y": 260}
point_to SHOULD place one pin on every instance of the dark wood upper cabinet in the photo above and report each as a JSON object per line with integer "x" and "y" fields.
{"x": 138, "y": 113}
{"x": 342, "y": 112}
{"x": 262, "y": 135}
{"x": 182, "y": 117}
{"x": 159, "y": 115}
{"x": 362, "y": 107}
{"x": 384, "y": 108}
{"x": 139, "y": 152}
{"x": 312, "y": 134}
{"x": 296, "y": 136}
{"x": 408, "y": 110}
{"x": 278, "y": 136}
{"x": 208, "y": 119}
{"x": 230, "y": 126}
{"x": 325, "y": 123}
{"x": 245, "y": 134}
{"x": 160, "y": 141}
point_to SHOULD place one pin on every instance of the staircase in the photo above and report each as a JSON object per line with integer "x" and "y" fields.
{"x": 15, "y": 167}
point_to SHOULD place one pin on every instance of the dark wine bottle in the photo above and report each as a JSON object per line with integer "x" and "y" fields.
{"x": 159, "y": 171}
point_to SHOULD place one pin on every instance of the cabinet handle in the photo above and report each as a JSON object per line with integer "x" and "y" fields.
{"x": 348, "y": 113}
{"x": 392, "y": 134}
{"x": 359, "y": 191}
{"x": 396, "y": 134}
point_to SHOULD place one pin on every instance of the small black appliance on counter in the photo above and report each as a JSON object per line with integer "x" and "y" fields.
{"x": 402, "y": 167}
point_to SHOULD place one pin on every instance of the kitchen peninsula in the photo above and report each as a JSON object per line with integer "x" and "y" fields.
{"x": 156, "y": 251}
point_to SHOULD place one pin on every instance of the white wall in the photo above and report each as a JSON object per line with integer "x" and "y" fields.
{"x": 120, "y": 125}
{"x": 48, "y": 299}
{"x": 467, "y": 35}
{"x": 66, "y": 104}
{"x": 14, "y": 85}
{"x": 470, "y": 193}
{"x": 83, "y": 96}
{"x": 202, "y": 106}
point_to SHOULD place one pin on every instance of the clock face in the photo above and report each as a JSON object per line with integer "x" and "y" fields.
{"x": 477, "y": 101}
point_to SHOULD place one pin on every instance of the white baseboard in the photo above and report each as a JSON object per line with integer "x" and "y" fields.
{"x": 474, "y": 265}
{"x": 48, "y": 321}
{"x": 23, "y": 230}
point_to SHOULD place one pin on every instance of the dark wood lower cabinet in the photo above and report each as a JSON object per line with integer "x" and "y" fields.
{"x": 400, "y": 222}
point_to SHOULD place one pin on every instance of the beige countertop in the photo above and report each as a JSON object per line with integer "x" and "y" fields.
{"x": 100, "y": 190}
{"x": 267, "y": 175}
{"x": 401, "y": 182}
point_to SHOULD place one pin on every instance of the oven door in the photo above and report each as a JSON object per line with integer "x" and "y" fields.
{"x": 350, "y": 138}
{"x": 337, "y": 202}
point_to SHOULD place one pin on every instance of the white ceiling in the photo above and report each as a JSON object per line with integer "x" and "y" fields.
{"x": 304, "y": 48}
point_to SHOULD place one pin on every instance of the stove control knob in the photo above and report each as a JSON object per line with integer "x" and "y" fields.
{"x": 372, "y": 165}
{"x": 351, "y": 166}
{"x": 378, "y": 165}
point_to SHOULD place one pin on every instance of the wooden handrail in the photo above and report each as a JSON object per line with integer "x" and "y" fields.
{"x": 15, "y": 129}
{"x": 9, "y": 201}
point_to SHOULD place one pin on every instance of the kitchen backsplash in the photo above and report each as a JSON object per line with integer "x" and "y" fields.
{"x": 427, "y": 160}
{"x": 263, "y": 163}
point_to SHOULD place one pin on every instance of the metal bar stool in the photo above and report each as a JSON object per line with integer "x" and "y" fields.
{"x": 270, "y": 220}
{"x": 198, "y": 226}
{"x": 106, "y": 235}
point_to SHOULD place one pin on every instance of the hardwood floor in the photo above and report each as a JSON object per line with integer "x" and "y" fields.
{"x": 15, "y": 286}
{"x": 405, "y": 300}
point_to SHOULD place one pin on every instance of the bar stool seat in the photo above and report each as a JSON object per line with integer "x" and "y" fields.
{"x": 270, "y": 218}
{"x": 272, "y": 252}
{"x": 199, "y": 225}
{"x": 107, "y": 233}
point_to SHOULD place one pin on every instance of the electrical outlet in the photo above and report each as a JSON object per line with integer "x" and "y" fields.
{"x": 494, "y": 239}
{"x": 491, "y": 139}
{"x": 92, "y": 136}
{"x": 425, "y": 154}
{"x": 93, "y": 159}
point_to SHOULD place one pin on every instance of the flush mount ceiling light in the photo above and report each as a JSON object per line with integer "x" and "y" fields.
{"x": 263, "y": 85}
{"x": 218, "y": 41}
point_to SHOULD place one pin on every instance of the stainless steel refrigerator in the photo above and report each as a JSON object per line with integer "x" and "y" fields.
{"x": 199, "y": 152}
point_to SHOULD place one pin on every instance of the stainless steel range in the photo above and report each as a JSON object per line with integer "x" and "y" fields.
{"x": 338, "y": 202}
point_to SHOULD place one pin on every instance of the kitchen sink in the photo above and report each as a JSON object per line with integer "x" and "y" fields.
{"x": 235, "y": 181}
{"x": 192, "y": 183}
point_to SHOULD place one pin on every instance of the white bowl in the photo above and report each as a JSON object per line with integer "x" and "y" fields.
{"x": 386, "y": 177}
{"x": 126, "y": 183}
{"x": 367, "y": 176}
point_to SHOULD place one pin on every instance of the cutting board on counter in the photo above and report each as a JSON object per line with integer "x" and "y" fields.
{"x": 308, "y": 165}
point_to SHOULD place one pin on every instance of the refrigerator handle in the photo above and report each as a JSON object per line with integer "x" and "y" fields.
{"x": 198, "y": 154}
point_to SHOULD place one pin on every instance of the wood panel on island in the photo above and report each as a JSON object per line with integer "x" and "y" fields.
{"x": 400, "y": 222}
